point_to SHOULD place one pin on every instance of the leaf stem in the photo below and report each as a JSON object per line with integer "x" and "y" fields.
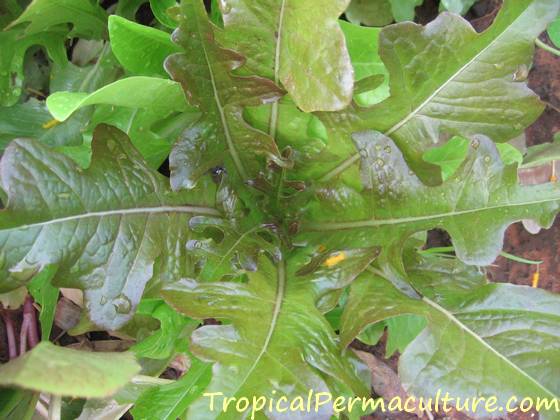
{"x": 55, "y": 407}
{"x": 29, "y": 312}
{"x": 280, "y": 185}
{"x": 10, "y": 332}
{"x": 547, "y": 47}
{"x": 23, "y": 335}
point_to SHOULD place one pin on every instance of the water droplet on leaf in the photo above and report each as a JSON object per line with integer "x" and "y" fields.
{"x": 122, "y": 304}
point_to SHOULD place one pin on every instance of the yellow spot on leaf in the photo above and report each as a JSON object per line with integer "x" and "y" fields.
{"x": 335, "y": 259}
{"x": 50, "y": 124}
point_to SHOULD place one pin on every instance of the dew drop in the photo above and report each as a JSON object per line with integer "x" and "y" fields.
{"x": 379, "y": 162}
{"x": 122, "y": 304}
{"x": 387, "y": 149}
{"x": 103, "y": 300}
{"x": 487, "y": 159}
{"x": 521, "y": 73}
{"x": 475, "y": 143}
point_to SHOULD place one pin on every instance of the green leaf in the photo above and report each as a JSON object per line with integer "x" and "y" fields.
{"x": 87, "y": 17}
{"x": 44, "y": 369}
{"x": 32, "y": 119}
{"x": 372, "y": 333}
{"x": 14, "y": 46}
{"x": 111, "y": 228}
{"x": 221, "y": 135}
{"x": 509, "y": 154}
{"x": 13, "y": 299}
{"x": 296, "y": 130}
{"x": 502, "y": 338}
{"x": 150, "y": 103}
{"x": 363, "y": 46}
{"x": 401, "y": 331}
{"x": 140, "y": 49}
{"x": 276, "y": 331}
{"x": 23, "y": 120}
{"x": 151, "y": 134}
{"x": 17, "y": 404}
{"x": 275, "y": 35}
{"x": 449, "y": 156}
{"x": 404, "y": 9}
{"x": 236, "y": 251}
{"x": 370, "y": 12}
{"x": 460, "y": 7}
{"x": 46, "y": 295}
{"x": 554, "y": 32}
{"x": 163, "y": 342}
{"x": 541, "y": 154}
{"x": 446, "y": 78}
{"x": 169, "y": 402}
{"x": 475, "y": 205}
{"x": 159, "y": 9}
{"x": 159, "y": 95}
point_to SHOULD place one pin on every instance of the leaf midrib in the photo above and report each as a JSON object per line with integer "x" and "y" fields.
{"x": 121, "y": 212}
{"x": 356, "y": 156}
{"x": 374, "y": 223}
{"x": 199, "y": 373}
{"x": 280, "y": 291}
{"x": 219, "y": 106}
{"x": 473, "y": 334}
{"x": 274, "y": 109}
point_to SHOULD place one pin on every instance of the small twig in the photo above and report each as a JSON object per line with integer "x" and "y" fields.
{"x": 36, "y": 92}
{"x": 10, "y": 332}
{"x": 547, "y": 47}
{"x": 32, "y": 332}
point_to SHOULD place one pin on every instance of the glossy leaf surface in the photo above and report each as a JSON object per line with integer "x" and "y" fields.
{"x": 495, "y": 335}
{"x": 447, "y": 79}
{"x": 394, "y": 203}
{"x": 276, "y": 37}
{"x": 110, "y": 228}
{"x": 277, "y": 335}
{"x": 204, "y": 70}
